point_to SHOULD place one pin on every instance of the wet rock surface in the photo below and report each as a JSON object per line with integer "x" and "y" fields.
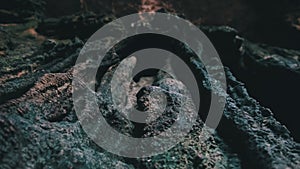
{"x": 40, "y": 129}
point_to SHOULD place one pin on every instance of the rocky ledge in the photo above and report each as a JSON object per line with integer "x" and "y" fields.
{"x": 40, "y": 129}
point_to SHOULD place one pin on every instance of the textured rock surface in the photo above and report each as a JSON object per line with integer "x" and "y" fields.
{"x": 40, "y": 130}
{"x": 271, "y": 74}
{"x": 25, "y": 60}
{"x": 39, "y": 127}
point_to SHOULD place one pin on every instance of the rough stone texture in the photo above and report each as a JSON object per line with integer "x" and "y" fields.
{"x": 25, "y": 60}
{"x": 271, "y": 74}
{"x": 40, "y": 130}
{"x": 268, "y": 143}
{"x": 39, "y": 127}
